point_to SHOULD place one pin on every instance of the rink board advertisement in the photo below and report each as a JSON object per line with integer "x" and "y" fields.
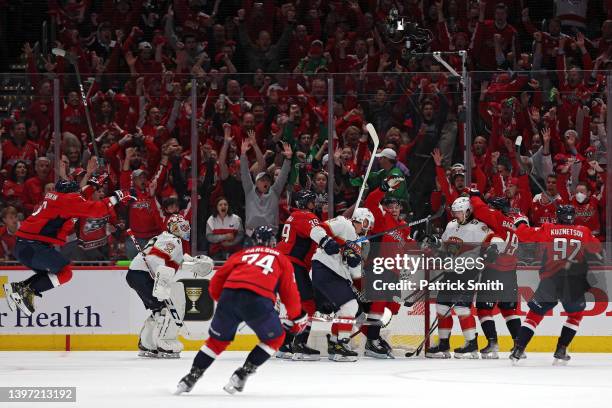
{"x": 97, "y": 310}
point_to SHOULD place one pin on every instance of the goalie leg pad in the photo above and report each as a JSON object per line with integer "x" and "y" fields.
{"x": 166, "y": 328}
{"x": 147, "y": 345}
{"x": 164, "y": 276}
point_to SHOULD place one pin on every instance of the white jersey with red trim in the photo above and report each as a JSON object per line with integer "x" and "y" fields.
{"x": 340, "y": 229}
{"x": 164, "y": 249}
{"x": 463, "y": 240}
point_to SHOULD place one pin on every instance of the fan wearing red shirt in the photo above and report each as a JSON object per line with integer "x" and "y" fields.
{"x": 562, "y": 277}
{"x": 8, "y": 216}
{"x": 34, "y": 187}
{"x": 18, "y": 147}
{"x": 297, "y": 245}
{"x": 245, "y": 289}
{"x": 46, "y": 227}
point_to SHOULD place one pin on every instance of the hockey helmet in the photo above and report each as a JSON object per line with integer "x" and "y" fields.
{"x": 457, "y": 169}
{"x": 499, "y": 203}
{"x": 264, "y": 235}
{"x": 566, "y": 214}
{"x": 462, "y": 209}
{"x": 361, "y": 215}
{"x": 521, "y": 219}
{"x": 67, "y": 186}
{"x": 303, "y": 197}
{"x": 179, "y": 226}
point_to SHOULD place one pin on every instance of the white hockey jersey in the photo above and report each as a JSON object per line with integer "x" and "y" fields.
{"x": 164, "y": 249}
{"x": 342, "y": 230}
{"x": 463, "y": 240}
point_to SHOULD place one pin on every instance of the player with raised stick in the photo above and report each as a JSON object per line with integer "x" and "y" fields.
{"x": 297, "y": 245}
{"x": 464, "y": 237}
{"x": 333, "y": 272}
{"x": 563, "y": 277}
{"x": 151, "y": 275}
{"x": 245, "y": 289}
{"x": 49, "y": 225}
{"x": 497, "y": 217}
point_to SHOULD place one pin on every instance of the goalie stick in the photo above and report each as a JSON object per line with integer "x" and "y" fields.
{"x": 168, "y": 302}
{"x": 430, "y": 217}
{"x": 374, "y": 137}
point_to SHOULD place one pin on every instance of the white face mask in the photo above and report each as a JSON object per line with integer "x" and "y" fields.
{"x": 581, "y": 197}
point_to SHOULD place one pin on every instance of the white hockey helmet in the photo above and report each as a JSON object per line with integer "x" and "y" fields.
{"x": 179, "y": 226}
{"x": 361, "y": 215}
{"x": 462, "y": 209}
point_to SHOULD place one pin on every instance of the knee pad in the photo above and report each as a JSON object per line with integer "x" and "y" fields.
{"x": 442, "y": 310}
{"x": 65, "y": 274}
{"x": 273, "y": 344}
{"x": 573, "y": 320}
{"x": 214, "y": 346}
{"x": 349, "y": 308}
{"x": 484, "y": 314}
{"x": 462, "y": 311}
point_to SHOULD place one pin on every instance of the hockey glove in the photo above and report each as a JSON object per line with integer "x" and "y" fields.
{"x": 391, "y": 183}
{"x": 297, "y": 325}
{"x": 490, "y": 254}
{"x": 120, "y": 196}
{"x": 329, "y": 245}
{"x": 353, "y": 259}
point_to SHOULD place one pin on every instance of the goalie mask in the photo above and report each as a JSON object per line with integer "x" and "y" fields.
{"x": 179, "y": 226}
{"x": 462, "y": 210}
{"x": 364, "y": 217}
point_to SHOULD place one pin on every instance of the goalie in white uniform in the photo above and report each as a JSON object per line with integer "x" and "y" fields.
{"x": 463, "y": 238}
{"x": 333, "y": 271}
{"x": 153, "y": 279}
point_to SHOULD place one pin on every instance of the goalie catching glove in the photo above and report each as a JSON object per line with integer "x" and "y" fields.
{"x": 297, "y": 325}
{"x": 200, "y": 265}
{"x": 391, "y": 183}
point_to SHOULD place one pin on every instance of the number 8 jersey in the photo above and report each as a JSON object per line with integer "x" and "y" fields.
{"x": 261, "y": 270}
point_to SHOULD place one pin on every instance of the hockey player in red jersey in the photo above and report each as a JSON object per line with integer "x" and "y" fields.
{"x": 297, "y": 245}
{"x": 46, "y": 227}
{"x": 562, "y": 278}
{"x": 245, "y": 289}
{"x": 386, "y": 212}
{"x": 503, "y": 270}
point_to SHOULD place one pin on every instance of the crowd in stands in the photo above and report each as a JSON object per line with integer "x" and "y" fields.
{"x": 261, "y": 71}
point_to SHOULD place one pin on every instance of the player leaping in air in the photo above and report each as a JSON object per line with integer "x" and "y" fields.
{"x": 46, "y": 227}
{"x": 562, "y": 278}
{"x": 245, "y": 289}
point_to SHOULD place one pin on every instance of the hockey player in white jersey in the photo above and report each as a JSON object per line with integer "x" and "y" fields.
{"x": 153, "y": 279}
{"x": 335, "y": 264}
{"x": 463, "y": 238}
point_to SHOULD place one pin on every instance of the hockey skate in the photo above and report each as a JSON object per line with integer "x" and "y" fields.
{"x": 378, "y": 348}
{"x": 561, "y": 356}
{"x": 19, "y": 295}
{"x": 169, "y": 349}
{"x": 187, "y": 382}
{"x": 523, "y": 354}
{"x": 469, "y": 350}
{"x": 145, "y": 352}
{"x": 517, "y": 354}
{"x": 340, "y": 350}
{"x": 285, "y": 351}
{"x": 442, "y": 350}
{"x": 239, "y": 378}
{"x": 491, "y": 351}
{"x": 301, "y": 352}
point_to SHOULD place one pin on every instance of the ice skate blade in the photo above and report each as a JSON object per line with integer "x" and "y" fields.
{"x": 441, "y": 356}
{"x": 284, "y": 355}
{"x": 559, "y": 362}
{"x": 168, "y": 355}
{"x": 342, "y": 359}
{"x": 230, "y": 389}
{"x": 8, "y": 294}
{"x": 306, "y": 357}
{"x": 490, "y": 356}
{"x": 147, "y": 353}
{"x": 467, "y": 356}
{"x": 515, "y": 362}
{"x": 370, "y": 353}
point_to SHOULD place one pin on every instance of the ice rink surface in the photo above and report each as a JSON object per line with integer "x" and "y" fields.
{"x": 120, "y": 379}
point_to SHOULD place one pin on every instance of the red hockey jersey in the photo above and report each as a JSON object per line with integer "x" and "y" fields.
{"x": 52, "y": 220}
{"x": 261, "y": 270}
{"x": 561, "y": 244}
{"x": 296, "y": 243}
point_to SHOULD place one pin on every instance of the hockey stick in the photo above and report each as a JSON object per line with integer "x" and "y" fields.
{"x": 374, "y": 137}
{"x": 430, "y": 217}
{"x": 433, "y": 328}
{"x": 421, "y": 293}
{"x": 62, "y": 53}
{"x": 168, "y": 302}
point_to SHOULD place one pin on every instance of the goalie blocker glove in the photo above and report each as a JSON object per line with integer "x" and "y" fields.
{"x": 329, "y": 245}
